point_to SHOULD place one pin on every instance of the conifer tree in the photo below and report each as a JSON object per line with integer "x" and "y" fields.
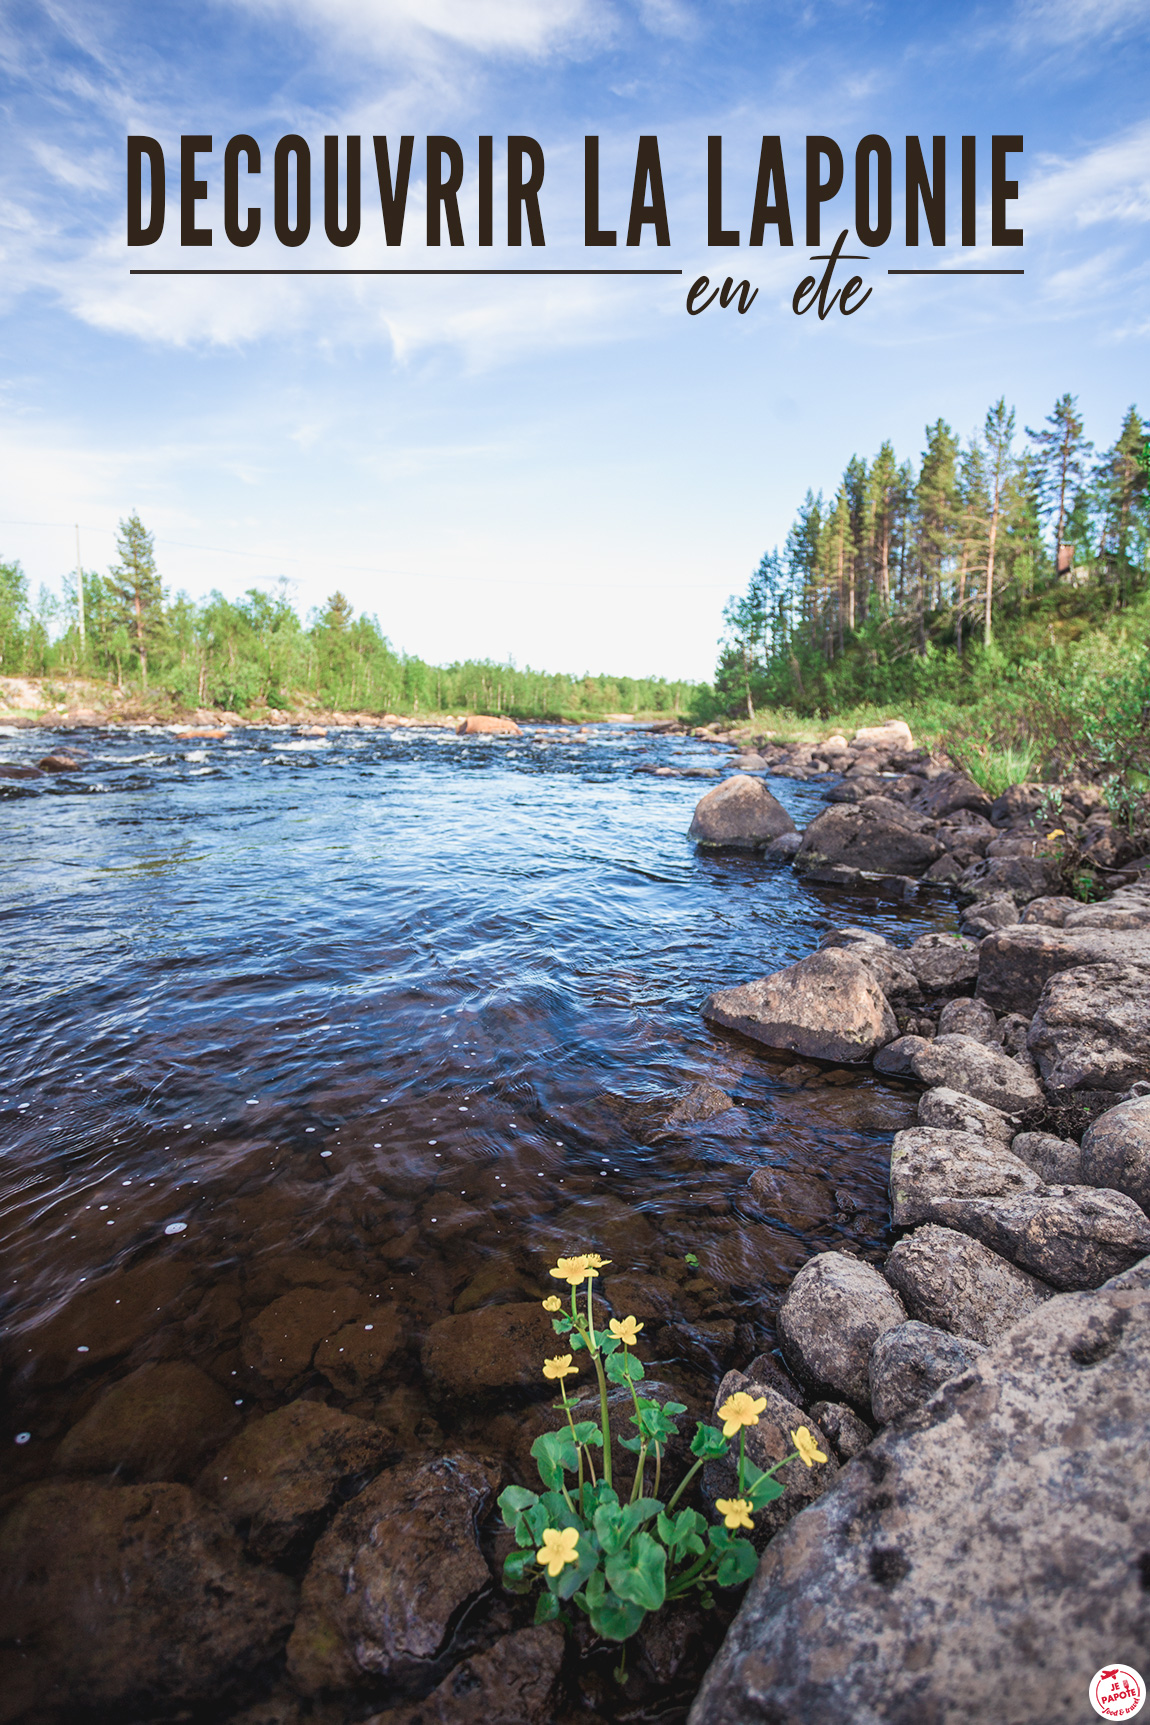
{"x": 999, "y": 433}
{"x": 1061, "y": 455}
{"x": 136, "y": 590}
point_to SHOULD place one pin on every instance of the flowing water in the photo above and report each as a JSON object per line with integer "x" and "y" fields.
{"x": 406, "y": 1004}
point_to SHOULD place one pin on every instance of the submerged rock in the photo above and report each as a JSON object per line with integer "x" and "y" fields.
{"x": 834, "y": 1309}
{"x": 978, "y": 1561}
{"x": 948, "y": 1279}
{"x": 826, "y": 1007}
{"x": 280, "y": 1341}
{"x": 278, "y": 1479}
{"x": 129, "y": 1599}
{"x": 160, "y": 1422}
{"x": 740, "y": 813}
{"x": 390, "y": 1573}
{"x": 512, "y": 1684}
{"x": 910, "y": 1362}
{"x": 494, "y": 1348}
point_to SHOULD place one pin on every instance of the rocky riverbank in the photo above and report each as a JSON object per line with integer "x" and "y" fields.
{"x": 986, "y": 1553}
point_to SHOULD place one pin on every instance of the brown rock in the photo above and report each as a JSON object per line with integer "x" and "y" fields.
{"x": 59, "y": 763}
{"x": 943, "y": 963}
{"x": 390, "y": 1574}
{"x": 974, "y": 1069}
{"x": 496, "y": 1348}
{"x": 834, "y": 1309}
{"x": 1091, "y": 1028}
{"x": 280, "y": 1341}
{"x": 513, "y": 1684}
{"x": 483, "y": 725}
{"x": 357, "y": 1355}
{"x": 849, "y": 1434}
{"x": 129, "y": 1599}
{"x": 876, "y": 835}
{"x": 912, "y": 1360}
{"x": 1116, "y": 1150}
{"x": 160, "y": 1422}
{"x": 1015, "y": 964}
{"x": 826, "y": 1007}
{"x": 951, "y": 1280}
{"x": 283, "y": 1473}
{"x": 105, "y": 1319}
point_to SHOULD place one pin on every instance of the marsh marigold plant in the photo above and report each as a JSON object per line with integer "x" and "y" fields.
{"x": 604, "y": 1546}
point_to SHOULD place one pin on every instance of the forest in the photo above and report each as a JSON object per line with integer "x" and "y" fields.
{"x": 994, "y": 564}
{"x": 255, "y": 653}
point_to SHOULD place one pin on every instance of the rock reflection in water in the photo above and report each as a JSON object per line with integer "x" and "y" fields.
{"x": 381, "y": 1031}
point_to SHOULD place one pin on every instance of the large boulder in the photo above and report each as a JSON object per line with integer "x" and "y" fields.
{"x": 979, "y": 1560}
{"x": 1091, "y": 1029}
{"x": 485, "y": 725}
{"x": 876, "y": 835}
{"x": 1018, "y": 877}
{"x": 767, "y": 1443}
{"x": 488, "y": 1351}
{"x": 949, "y": 793}
{"x": 943, "y": 963}
{"x": 1067, "y": 1236}
{"x": 964, "y": 1064}
{"x": 129, "y": 1600}
{"x": 741, "y": 814}
{"x": 826, "y": 1007}
{"x": 282, "y": 1475}
{"x": 890, "y": 734}
{"x": 910, "y": 1362}
{"x": 834, "y": 1309}
{"x": 160, "y": 1422}
{"x": 390, "y": 1573}
{"x": 1058, "y": 1161}
{"x": 1116, "y": 1150}
{"x": 512, "y": 1684}
{"x": 956, "y": 1283}
{"x": 1015, "y": 964}
{"x": 966, "y": 1017}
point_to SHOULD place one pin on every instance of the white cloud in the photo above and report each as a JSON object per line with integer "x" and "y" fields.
{"x": 529, "y": 27}
{"x": 1110, "y": 183}
{"x": 1072, "y": 22}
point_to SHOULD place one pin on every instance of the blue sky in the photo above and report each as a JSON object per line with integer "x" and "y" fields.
{"x": 571, "y": 471}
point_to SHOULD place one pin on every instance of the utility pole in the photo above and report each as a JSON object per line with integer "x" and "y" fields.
{"x": 80, "y": 592}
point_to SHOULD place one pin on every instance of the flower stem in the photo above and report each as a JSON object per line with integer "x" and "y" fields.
{"x": 684, "y": 1483}
{"x": 637, "y": 1483}
{"x": 742, "y": 1455}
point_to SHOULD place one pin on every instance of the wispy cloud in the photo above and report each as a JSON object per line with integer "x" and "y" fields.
{"x": 526, "y": 27}
{"x": 1070, "y": 23}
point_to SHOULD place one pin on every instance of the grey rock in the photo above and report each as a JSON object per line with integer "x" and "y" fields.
{"x": 1013, "y": 1030}
{"x": 984, "y": 916}
{"x": 741, "y": 814}
{"x": 1050, "y": 912}
{"x": 783, "y": 848}
{"x": 966, "y": 1017}
{"x": 931, "y": 1166}
{"x": 1019, "y": 878}
{"x": 849, "y": 1434}
{"x": 961, "y": 1063}
{"x": 851, "y": 937}
{"x": 1116, "y": 1150}
{"x": 957, "y": 1112}
{"x": 910, "y": 1362}
{"x": 1138, "y": 1276}
{"x": 826, "y": 1007}
{"x": 1091, "y": 1029}
{"x": 390, "y": 1573}
{"x": 767, "y": 1443}
{"x": 949, "y": 793}
{"x": 1019, "y": 802}
{"x": 1015, "y": 964}
{"x": 834, "y": 1309}
{"x": 943, "y": 963}
{"x": 1067, "y": 1236}
{"x": 1058, "y": 1161}
{"x": 948, "y": 1279}
{"x": 702, "y": 1102}
{"x": 129, "y": 1599}
{"x": 949, "y": 1578}
{"x": 891, "y": 970}
{"x": 1116, "y": 914}
{"x": 876, "y": 835}
{"x": 897, "y": 1058}
{"x": 750, "y": 762}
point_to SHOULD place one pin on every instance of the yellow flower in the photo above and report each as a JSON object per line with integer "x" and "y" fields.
{"x": 808, "y": 1449}
{"x": 735, "y": 1511}
{"x": 560, "y": 1367}
{"x": 595, "y": 1261}
{"x": 1058, "y": 833}
{"x": 553, "y": 1303}
{"x": 573, "y": 1270}
{"x": 626, "y": 1329}
{"x": 740, "y": 1410}
{"x": 559, "y": 1548}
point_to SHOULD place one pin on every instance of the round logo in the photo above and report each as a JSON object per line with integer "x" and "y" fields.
{"x": 1117, "y": 1692}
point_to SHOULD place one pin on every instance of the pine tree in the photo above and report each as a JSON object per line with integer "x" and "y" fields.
{"x": 935, "y": 504}
{"x": 1061, "y": 454}
{"x": 138, "y": 599}
{"x": 1123, "y": 495}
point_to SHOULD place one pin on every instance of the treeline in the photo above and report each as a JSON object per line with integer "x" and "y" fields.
{"x": 913, "y": 581}
{"x": 255, "y": 652}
